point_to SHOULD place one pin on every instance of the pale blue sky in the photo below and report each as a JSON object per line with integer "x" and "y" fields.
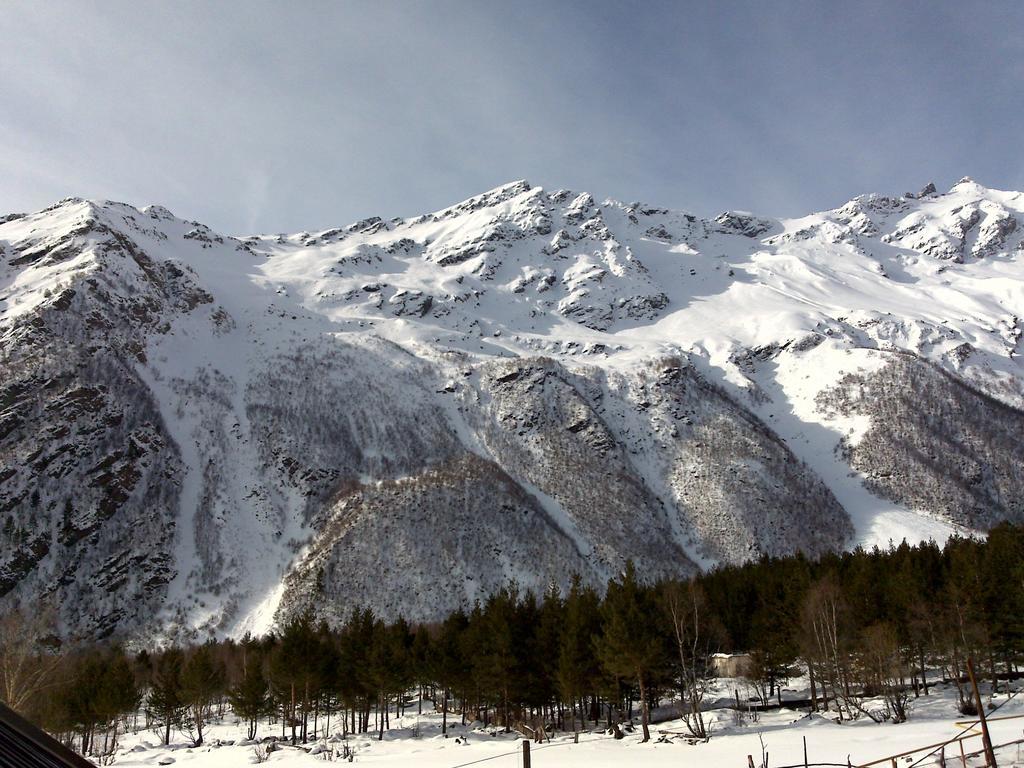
{"x": 285, "y": 116}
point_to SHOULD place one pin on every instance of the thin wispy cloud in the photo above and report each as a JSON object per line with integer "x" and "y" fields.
{"x": 285, "y": 117}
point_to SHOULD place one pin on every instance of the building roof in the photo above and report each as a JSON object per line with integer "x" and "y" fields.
{"x": 23, "y": 745}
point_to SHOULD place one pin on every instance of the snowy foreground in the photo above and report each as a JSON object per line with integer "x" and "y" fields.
{"x": 417, "y": 740}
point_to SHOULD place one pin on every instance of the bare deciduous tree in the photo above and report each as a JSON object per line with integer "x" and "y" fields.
{"x": 883, "y": 672}
{"x": 693, "y": 631}
{"x": 825, "y": 643}
{"x": 27, "y": 666}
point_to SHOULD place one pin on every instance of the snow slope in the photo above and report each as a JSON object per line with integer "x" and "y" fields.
{"x": 209, "y": 430}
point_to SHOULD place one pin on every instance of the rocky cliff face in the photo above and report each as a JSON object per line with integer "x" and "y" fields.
{"x": 199, "y": 433}
{"x": 934, "y": 442}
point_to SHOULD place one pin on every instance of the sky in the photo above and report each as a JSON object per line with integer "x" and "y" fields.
{"x": 289, "y": 116}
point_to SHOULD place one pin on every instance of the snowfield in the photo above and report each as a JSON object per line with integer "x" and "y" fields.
{"x": 416, "y": 739}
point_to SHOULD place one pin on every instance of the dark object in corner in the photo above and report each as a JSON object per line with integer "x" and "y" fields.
{"x": 23, "y": 745}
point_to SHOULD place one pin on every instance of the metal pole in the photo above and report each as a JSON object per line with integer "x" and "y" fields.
{"x": 526, "y": 753}
{"x": 990, "y": 755}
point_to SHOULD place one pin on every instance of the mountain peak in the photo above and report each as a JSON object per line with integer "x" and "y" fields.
{"x": 926, "y": 191}
{"x": 967, "y": 183}
{"x": 488, "y": 199}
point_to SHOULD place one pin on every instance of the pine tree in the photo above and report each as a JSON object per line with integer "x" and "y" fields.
{"x": 496, "y": 660}
{"x": 355, "y": 685}
{"x": 1001, "y": 585}
{"x": 328, "y": 673}
{"x": 630, "y": 646}
{"x": 449, "y": 666}
{"x": 250, "y": 698}
{"x": 202, "y": 683}
{"x": 166, "y": 701}
{"x": 420, "y": 653}
{"x": 77, "y": 697}
{"x": 577, "y": 670}
{"x": 115, "y": 695}
{"x": 296, "y": 670}
{"x": 542, "y": 650}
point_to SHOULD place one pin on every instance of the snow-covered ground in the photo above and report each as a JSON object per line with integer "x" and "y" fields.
{"x": 417, "y": 740}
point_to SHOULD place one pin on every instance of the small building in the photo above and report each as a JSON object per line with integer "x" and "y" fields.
{"x": 730, "y": 664}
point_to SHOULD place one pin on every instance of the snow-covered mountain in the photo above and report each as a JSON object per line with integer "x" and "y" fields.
{"x": 198, "y": 432}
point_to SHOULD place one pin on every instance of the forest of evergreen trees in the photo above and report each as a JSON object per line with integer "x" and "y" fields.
{"x": 872, "y": 628}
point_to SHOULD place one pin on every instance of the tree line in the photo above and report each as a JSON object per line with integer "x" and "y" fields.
{"x": 874, "y": 629}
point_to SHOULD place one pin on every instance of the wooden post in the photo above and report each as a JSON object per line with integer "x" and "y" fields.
{"x": 990, "y": 755}
{"x": 526, "y": 753}
{"x": 963, "y": 757}
{"x": 805, "y": 752}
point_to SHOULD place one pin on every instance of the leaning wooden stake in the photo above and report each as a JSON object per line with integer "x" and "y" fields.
{"x": 526, "y": 753}
{"x": 990, "y": 755}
